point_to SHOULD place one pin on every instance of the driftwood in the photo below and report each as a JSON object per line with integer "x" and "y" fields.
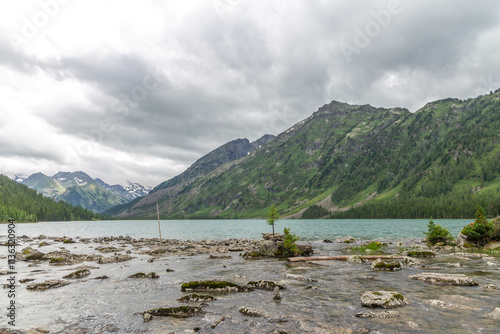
{"x": 343, "y": 258}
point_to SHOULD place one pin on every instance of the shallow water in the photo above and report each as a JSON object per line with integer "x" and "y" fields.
{"x": 329, "y": 306}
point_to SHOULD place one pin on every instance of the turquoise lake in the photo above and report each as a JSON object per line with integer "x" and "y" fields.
{"x": 250, "y": 229}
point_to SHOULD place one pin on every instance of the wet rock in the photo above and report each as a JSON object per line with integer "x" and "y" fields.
{"x": 49, "y": 284}
{"x": 492, "y": 245}
{"x": 269, "y": 236}
{"x": 346, "y": 240}
{"x": 220, "y": 256}
{"x": 115, "y": 259}
{"x": 26, "y": 280}
{"x": 78, "y": 274}
{"x": 413, "y": 325}
{"x": 491, "y": 287}
{"x": 383, "y": 299}
{"x": 143, "y": 275}
{"x": 6, "y": 272}
{"x": 447, "y": 305}
{"x": 43, "y": 244}
{"x": 108, "y": 249}
{"x": 387, "y": 266}
{"x": 305, "y": 250}
{"x": 299, "y": 278}
{"x": 420, "y": 253}
{"x": 495, "y": 314}
{"x": 250, "y": 312}
{"x": 356, "y": 259}
{"x": 168, "y": 270}
{"x": 268, "y": 248}
{"x": 462, "y": 241}
{"x": 264, "y": 285}
{"x": 175, "y": 312}
{"x": 445, "y": 279}
{"x": 327, "y": 241}
{"x": 216, "y": 286}
{"x": 384, "y": 314}
{"x": 101, "y": 277}
{"x": 214, "y": 320}
{"x": 196, "y": 298}
{"x": 277, "y": 294}
{"x": 36, "y": 256}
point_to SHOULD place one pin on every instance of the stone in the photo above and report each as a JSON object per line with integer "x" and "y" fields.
{"x": 175, "y": 312}
{"x": 305, "y": 250}
{"x": 420, "y": 253}
{"x": 114, "y": 259}
{"x": 196, "y": 298}
{"x": 220, "y": 256}
{"x": 445, "y": 279}
{"x": 495, "y": 314}
{"x": 491, "y": 287}
{"x": 268, "y": 248}
{"x": 346, "y": 240}
{"x": 383, "y": 299}
{"x": 217, "y": 286}
{"x": 49, "y": 284}
{"x": 492, "y": 245}
{"x": 384, "y": 314}
{"x": 462, "y": 240}
{"x": 327, "y": 241}
{"x": 78, "y": 274}
{"x": 277, "y": 294}
{"x": 387, "y": 266}
{"x": 250, "y": 312}
{"x": 269, "y": 236}
{"x": 299, "y": 278}
{"x": 143, "y": 275}
{"x": 447, "y": 305}
{"x": 265, "y": 285}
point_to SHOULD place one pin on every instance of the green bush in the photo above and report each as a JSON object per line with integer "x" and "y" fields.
{"x": 480, "y": 232}
{"x": 374, "y": 246}
{"x": 289, "y": 239}
{"x": 437, "y": 233}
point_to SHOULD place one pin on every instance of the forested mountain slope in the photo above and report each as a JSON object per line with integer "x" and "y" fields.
{"x": 357, "y": 161}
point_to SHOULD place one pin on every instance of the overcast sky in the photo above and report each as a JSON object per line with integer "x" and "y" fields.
{"x": 139, "y": 90}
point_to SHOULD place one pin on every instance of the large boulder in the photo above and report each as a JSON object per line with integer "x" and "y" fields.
{"x": 269, "y": 248}
{"x": 383, "y": 299}
{"x": 269, "y": 236}
{"x": 445, "y": 279}
{"x": 462, "y": 240}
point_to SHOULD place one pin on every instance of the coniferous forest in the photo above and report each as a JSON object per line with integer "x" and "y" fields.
{"x": 23, "y": 204}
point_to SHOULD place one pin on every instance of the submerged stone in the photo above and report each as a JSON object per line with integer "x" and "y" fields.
{"x": 176, "y": 312}
{"x": 387, "y": 266}
{"x": 445, "y": 279}
{"x": 265, "y": 285}
{"x": 383, "y": 299}
{"x": 384, "y": 314}
{"x": 250, "y": 312}
{"x": 49, "y": 284}
{"x": 143, "y": 275}
{"x": 219, "y": 286}
{"x": 78, "y": 274}
{"x": 196, "y": 298}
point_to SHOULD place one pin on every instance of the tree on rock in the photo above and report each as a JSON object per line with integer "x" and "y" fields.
{"x": 273, "y": 217}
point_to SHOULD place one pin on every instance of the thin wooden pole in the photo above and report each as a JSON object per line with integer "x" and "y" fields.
{"x": 158, "y": 212}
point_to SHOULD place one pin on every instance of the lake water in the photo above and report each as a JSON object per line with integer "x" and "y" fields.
{"x": 311, "y": 230}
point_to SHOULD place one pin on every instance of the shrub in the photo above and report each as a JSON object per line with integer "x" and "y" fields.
{"x": 480, "y": 231}
{"x": 290, "y": 248}
{"x": 437, "y": 233}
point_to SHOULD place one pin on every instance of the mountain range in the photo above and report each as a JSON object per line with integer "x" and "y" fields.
{"x": 79, "y": 189}
{"x": 348, "y": 161}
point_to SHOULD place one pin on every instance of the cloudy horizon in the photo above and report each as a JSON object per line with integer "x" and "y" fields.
{"x": 139, "y": 90}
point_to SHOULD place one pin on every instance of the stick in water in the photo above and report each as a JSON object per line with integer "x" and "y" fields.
{"x": 158, "y": 212}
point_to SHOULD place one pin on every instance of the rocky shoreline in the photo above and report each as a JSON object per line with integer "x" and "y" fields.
{"x": 269, "y": 284}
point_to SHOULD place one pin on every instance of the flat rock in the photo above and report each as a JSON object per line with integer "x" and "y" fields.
{"x": 492, "y": 245}
{"x": 176, "y": 312}
{"x": 384, "y": 314}
{"x": 265, "y": 285}
{"x": 49, "y": 284}
{"x": 299, "y": 278}
{"x": 491, "y": 287}
{"x": 269, "y": 236}
{"x": 447, "y": 305}
{"x": 445, "y": 279}
{"x": 383, "y": 299}
{"x": 387, "y": 266}
{"x": 115, "y": 259}
{"x": 220, "y": 256}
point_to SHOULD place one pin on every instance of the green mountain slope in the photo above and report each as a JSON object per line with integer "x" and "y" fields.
{"x": 356, "y": 161}
{"x": 19, "y": 202}
{"x": 79, "y": 189}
